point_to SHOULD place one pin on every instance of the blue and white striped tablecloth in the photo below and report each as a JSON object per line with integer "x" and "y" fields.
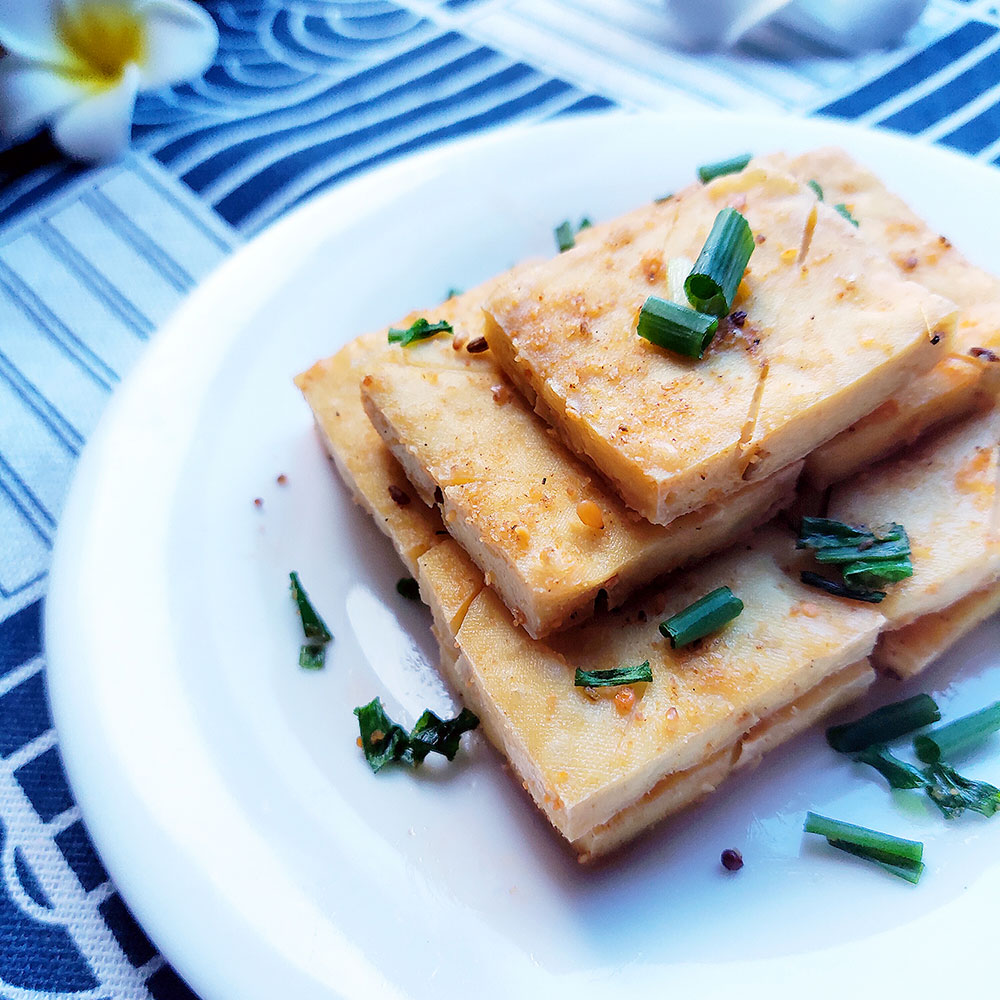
{"x": 303, "y": 94}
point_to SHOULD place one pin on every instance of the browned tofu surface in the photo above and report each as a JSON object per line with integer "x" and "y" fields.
{"x": 906, "y": 651}
{"x": 545, "y": 529}
{"x": 585, "y": 757}
{"x": 954, "y": 387}
{"x": 831, "y": 331}
{"x": 944, "y": 493}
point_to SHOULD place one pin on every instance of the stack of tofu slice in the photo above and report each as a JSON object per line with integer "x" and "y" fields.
{"x": 559, "y": 486}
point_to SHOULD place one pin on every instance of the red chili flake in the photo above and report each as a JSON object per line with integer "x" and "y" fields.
{"x": 282, "y": 479}
{"x": 399, "y": 497}
{"x": 732, "y": 860}
{"x": 738, "y": 318}
{"x": 983, "y": 352}
{"x": 258, "y": 503}
{"x": 477, "y": 346}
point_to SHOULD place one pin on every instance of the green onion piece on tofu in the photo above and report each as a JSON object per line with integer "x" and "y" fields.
{"x": 953, "y": 794}
{"x": 312, "y": 653}
{"x": 712, "y": 283}
{"x": 384, "y": 741}
{"x": 733, "y": 165}
{"x": 453, "y": 292}
{"x": 663, "y": 199}
{"x": 409, "y": 588}
{"x": 955, "y": 737}
{"x": 899, "y": 856}
{"x": 614, "y": 677}
{"x": 838, "y": 589}
{"x": 884, "y": 724}
{"x": 421, "y": 329}
{"x": 817, "y": 189}
{"x": 585, "y": 223}
{"x": 675, "y": 328}
{"x": 867, "y": 558}
{"x": 705, "y": 616}
{"x": 846, "y": 213}
{"x": 897, "y": 772}
{"x": 564, "y": 236}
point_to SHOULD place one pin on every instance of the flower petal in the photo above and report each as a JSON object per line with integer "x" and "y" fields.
{"x": 181, "y": 41}
{"x": 99, "y": 126}
{"x": 28, "y": 28}
{"x": 31, "y": 94}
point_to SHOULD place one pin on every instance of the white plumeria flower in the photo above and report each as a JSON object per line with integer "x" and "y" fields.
{"x": 77, "y": 65}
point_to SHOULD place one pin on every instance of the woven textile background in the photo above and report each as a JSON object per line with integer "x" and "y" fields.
{"x": 304, "y": 94}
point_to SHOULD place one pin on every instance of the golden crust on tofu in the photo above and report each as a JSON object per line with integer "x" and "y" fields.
{"x": 951, "y": 389}
{"x": 585, "y": 757}
{"x": 831, "y": 331}
{"x": 546, "y": 531}
{"x": 954, "y": 387}
{"x": 907, "y": 651}
{"x": 332, "y": 389}
{"x": 944, "y": 492}
{"x": 680, "y": 790}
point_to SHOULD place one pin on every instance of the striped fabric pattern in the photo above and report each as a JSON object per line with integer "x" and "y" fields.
{"x": 304, "y": 94}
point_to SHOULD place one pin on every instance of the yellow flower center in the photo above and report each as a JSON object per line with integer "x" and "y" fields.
{"x": 102, "y": 37}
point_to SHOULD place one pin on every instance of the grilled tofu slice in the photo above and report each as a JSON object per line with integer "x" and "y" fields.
{"x": 956, "y": 384}
{"x": 332, "y": 389}
{"x": 586, "y": 757}
{"x": 831, "y": 331}
{"x": 546, "y": 530}
{"x": 944, "y": 493}
{"x": 907, "y": 651}
{"x": 680, "y": 790}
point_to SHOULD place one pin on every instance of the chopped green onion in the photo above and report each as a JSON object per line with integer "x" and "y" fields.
{"x": 441, "y": 736}
{"x": 564, "y": 236}
{"x": 421, "y": 329}
{"x": 409, "y": 588}
{"x": 312, "y": 656}
{"x": 884, "y": 724}
{"x": 867, "y": 558}
{"x": 706, "y": 615}
{"x": 614, "y": 677}
{"x": 862, "y": 836}
{"x": 953, "y": 794}
{"x": 734, "y": 165}
{"x": 846, "y": 213}
{"x": 711, "y": 285}
{"x": 897, "y": 772}
{"x": 675, "y": 328}
{"x": 838, "y": 589}
{"x": 585, "y": 223}
{"x": 901, "y": 867}
{"x": 662, "y": 199}
{"x": 384, "y": 741}
{"x": 815, "y": 186}
{"x": 312, "y": 653}
{"x": 453, "y": 292}
{"x": 871, "y": 573}
{"x": 945, "y": 741}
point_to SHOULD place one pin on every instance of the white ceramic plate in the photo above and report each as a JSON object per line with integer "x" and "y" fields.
{"x": 223, "y": 785}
